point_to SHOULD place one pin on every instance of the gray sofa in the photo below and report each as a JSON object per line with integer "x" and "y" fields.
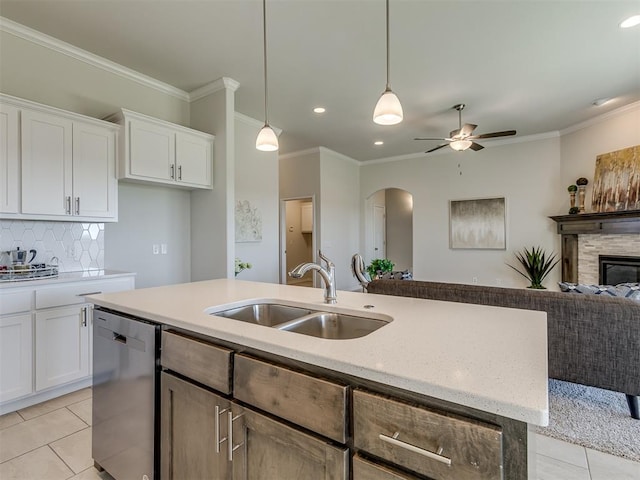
{"x": 592, "y": 339}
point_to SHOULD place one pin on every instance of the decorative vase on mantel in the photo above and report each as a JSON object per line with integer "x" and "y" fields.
{"x": 572, "y": 198}
{"x": 582, "y": 186}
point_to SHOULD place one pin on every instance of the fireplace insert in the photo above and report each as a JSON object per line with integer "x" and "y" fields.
{"x": 619, "y": 269}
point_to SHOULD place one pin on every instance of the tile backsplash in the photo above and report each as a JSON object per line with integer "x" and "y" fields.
{"x": 78, "y": 246}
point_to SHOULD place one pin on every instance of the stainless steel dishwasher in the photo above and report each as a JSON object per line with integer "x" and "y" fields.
{"x": 125, "y": 399}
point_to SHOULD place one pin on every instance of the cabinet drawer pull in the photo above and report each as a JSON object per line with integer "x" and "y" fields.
{"x": 88, "y": 293}
{"x": 219, "y": 440}
{"x": 179, "y": 172}
{"x": 68, "y": 205}
{"x": 232, "y": 447}
{"x": 172, "y": 172}
{"x": 77, "y": 205}
{"x": 412, "y": 448}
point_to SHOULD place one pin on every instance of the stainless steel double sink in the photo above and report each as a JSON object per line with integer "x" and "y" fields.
{"x": 316, "y": 323}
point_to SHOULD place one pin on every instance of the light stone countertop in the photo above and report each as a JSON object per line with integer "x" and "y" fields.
{"x": 489, "y": 358}
{"x": 65, "y": 277}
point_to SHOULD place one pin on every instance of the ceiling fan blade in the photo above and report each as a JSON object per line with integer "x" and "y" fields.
{"x": 437, "y": 148}
{"x": 467, "y": 128}
{"x": 429, "y": 138}
{"x": 506, "y": 133}
{"x": 453, "y": 133}
{"x": 476, "y": 146}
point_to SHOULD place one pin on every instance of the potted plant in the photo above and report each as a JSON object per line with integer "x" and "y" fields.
{"x": 536, "y": 266}
{"x": 240, "y": 266}
{"x": 378, "y": 267}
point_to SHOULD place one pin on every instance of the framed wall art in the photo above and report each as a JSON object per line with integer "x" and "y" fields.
{"x": 616, "y": 183}
{"x": 477, "y": 224}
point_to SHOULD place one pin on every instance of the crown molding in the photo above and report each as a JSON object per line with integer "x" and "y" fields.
{"x": 254, "y": 123}
{"x": 600, "y": 118}
{"x": 299, "y": 153}
{"x": 213, "y": 87}
{"x": 339, "y": 155}
{"x": 486, "y": 144}
{"x": 39, "y": 38}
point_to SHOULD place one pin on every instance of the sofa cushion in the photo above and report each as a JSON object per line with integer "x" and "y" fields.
{"x": 627, "y": 290}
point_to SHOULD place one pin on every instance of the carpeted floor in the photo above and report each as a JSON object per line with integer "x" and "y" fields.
{"x": 592, "y": 417}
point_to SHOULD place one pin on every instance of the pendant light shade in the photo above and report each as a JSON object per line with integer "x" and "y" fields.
{"x": 388, "y": 110}
{"x": 267, "y": 140}
{"x": 460, "y": 145}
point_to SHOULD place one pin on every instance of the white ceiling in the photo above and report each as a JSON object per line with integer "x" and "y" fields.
{"x": 533, "y": 66}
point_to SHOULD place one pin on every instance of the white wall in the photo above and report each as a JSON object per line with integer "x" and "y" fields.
{"x": 150, "y": 215}
{"x": 527, "y": 174}
{"x": 256, "y": 180}
{"x": 340, "y": 207}
{"x": 212, "y": 211}
{"x": 581, "y": 144}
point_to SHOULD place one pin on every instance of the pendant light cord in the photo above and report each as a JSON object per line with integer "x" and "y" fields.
{"x": 388, "y": 56}
{"x": 264, "y": 43}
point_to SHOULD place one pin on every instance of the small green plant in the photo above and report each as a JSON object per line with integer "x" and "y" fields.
{"x": 379, "y": 266}
{"x": 536, "y": 265}
{"x": 574, "y": 210}
{"x": 240, "y": 266}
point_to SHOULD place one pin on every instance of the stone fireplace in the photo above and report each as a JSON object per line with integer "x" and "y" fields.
{"x": 619, "y": 269}
{"x": 593, "y": 246}
{"x": 587, "y": 236}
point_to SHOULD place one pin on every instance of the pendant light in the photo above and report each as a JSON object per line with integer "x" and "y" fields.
{"x": 267, "y": 140}
{"x": 388, "y": 110}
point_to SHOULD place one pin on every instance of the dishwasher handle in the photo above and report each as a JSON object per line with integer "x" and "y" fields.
{"x": 124, "y": 340}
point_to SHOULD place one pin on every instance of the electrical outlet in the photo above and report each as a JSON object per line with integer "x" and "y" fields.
{"x": 156, "y": 249}
{"x": 163, "y": 248}
{"x": 474, "y": 280}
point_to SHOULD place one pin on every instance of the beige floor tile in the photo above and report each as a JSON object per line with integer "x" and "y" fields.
{"x": 55, "y": 403}
{"x": 83, "y": 410}
{"x": 75, "y": 450}
{"x": 9, "y": 420}
{"x": 41, "y": 463}
{"x": 566, "y": 452}
{"x": 31, "y": 434}
{"x": 552, "y": 469}
{"x": 609, "y": 467}
{"x": 92, "y": 474}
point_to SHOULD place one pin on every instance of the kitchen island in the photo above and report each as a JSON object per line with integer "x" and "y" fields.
{"x": 485, "y": 363}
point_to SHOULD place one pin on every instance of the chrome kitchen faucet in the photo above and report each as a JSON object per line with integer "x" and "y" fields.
{"x": 328, "y": 276}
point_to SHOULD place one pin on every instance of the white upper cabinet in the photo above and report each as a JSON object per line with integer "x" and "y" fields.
{"x": 9, "y": 159}
{"x": 152, "y": 150}
{"x": 46, "y": 163}
{"x": 95, "y": 185}
{"x": 58, "y": 165}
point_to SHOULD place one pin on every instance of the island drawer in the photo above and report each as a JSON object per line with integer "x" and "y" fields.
{"x": 198, "y": 360}
{"x": 313, "y": 403}
{"x": 365, "y": 470}
{"x": 424, "y": 441}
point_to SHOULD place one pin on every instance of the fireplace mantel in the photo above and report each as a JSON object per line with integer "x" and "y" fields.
{"x": 607, "y": 222}
{"x": 570, "y": 226}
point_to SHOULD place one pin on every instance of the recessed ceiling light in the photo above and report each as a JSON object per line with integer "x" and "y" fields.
{"x": 319, "y": 110}
{"x": 630, "y": 22}
{"x": 378, "y": 142}
{"x": 598, "y": 102}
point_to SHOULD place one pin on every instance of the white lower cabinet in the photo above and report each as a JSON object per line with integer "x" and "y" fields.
{"x": 62, "y": 345}
{"x": 16, "y": 354}
{"x": 45, "y": 339}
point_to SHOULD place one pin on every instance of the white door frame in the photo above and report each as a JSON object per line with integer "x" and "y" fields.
{"x": 283, "y": 234}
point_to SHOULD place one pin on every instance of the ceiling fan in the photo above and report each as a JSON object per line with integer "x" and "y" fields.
{"x": 461, "y": 139}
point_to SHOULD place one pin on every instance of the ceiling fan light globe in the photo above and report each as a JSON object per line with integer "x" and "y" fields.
{"x": 460, "y": 145}
{"x": 388, "y": 110}
{"x": 267, "y": 140}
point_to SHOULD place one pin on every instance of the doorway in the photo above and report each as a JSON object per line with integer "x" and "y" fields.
{"x": 389, "y": 227}
{"x": 297, "y": 238}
